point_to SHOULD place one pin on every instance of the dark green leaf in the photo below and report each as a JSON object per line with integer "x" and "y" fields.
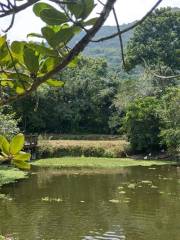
{"x": 38, "y": 7}
{"x": 55, "y": 83}
{"x": 31, "y": 60}
{"x": 53, "y": 16}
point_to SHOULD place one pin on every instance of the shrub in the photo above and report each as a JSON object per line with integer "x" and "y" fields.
{"x": 171, "y": 139}
{"x": 8, "y": 125}
{"x": 142, "y": 124}
{"x": 170, "y": 115}
{"x": 59, "y": 148}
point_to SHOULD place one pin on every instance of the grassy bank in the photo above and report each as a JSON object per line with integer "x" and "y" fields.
{"x": 94, "y": 163}
{"x": 10, "y": 175}
{"x": 88, "y": 148}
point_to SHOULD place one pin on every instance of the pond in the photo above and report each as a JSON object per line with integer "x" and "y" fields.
{"x": 135, "y": 203}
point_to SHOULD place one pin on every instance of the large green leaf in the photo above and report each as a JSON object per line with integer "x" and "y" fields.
{"x": 17, "y": 143}
{"x": 22, "y": 156}
{"x": 38, "y": 7}
{"x": 4, "y": 145}
{"x": 31, "y": 60}
{"x": 22, "y": 164}
{"x": 45, "y": 51}
{"x": 88, "y": 6}
{"x": 81, "y": 8}
{"x": 53, "y": 16}
{"x": 75, "y": 8}
{"x": 2, "y": 40}
{"x": 49, "y": 34}
{"x": 55, "y": 83}
{"x": 63, "y": 36}
{"x": 17, "y": 48}
{"x": 49, "y": 64}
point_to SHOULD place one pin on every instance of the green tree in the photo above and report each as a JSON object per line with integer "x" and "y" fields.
{"x": 156, "y": 41}
{"x": 170, "y": 114}
{"x": 142, "y": 124}
{"x": 81, "y": 106}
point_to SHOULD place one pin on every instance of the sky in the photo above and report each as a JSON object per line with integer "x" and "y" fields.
{"x": 127, "y": 11}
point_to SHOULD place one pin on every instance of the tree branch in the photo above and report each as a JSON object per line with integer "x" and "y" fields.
{"x": 7, "y": 10}
{"x": 120, "y": 38}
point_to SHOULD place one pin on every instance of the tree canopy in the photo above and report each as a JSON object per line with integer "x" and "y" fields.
{"x": 156, "y": 41}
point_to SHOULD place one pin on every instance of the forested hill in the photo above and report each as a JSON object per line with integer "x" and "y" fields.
{"x": 108, "y": 49}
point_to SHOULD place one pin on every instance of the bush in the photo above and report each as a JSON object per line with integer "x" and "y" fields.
{"x": 171, "y": 139}
{"x": 170, "y": 115}
{"x": 8, "y": 125}
{"x": 142, "y": 124}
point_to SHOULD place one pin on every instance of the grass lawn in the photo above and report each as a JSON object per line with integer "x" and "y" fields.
{"x": 95, "y": 163}
{"x": 10, "y": 175}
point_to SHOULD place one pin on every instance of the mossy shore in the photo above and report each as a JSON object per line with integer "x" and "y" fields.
{"x": 94, "y": 163}
{"x": 10, "y": 175}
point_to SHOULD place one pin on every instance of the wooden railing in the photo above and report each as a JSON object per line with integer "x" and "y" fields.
{"x": 30, "y": 145}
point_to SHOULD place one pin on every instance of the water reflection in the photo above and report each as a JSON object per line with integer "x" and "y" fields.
{"x": 137, "y": 203}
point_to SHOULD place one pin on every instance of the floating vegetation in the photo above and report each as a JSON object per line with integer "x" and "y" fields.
{"x": 120, "y": 187}
{"x": 132, "y": 186}
{"x": 146, "y": 182}
{"x": 114, "y": 201}
{"x": 48, "y": 199}
{"x": 122, "y": 192}
{"x": 5, "y": 197}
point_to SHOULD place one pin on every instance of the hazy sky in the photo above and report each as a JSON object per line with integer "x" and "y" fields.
{"x": 127, "y": 11}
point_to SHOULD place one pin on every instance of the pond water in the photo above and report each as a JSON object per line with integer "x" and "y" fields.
{"x": 136, "y": 203}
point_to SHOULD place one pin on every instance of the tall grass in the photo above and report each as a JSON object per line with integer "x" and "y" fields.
{"x": 88, "y": 148}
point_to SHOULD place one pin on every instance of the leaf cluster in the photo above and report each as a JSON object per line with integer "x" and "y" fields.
{"x": 12, "y": 153}
{"x": 24, "y": 65}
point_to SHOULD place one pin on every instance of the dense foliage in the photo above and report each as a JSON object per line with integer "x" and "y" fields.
{"x": 170, "y": 114}
{"x": 156, "y": 41}
{"x": 8, "y": 123}
{"x": 142, "y": 124}
{"x": 81, "y": 106}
